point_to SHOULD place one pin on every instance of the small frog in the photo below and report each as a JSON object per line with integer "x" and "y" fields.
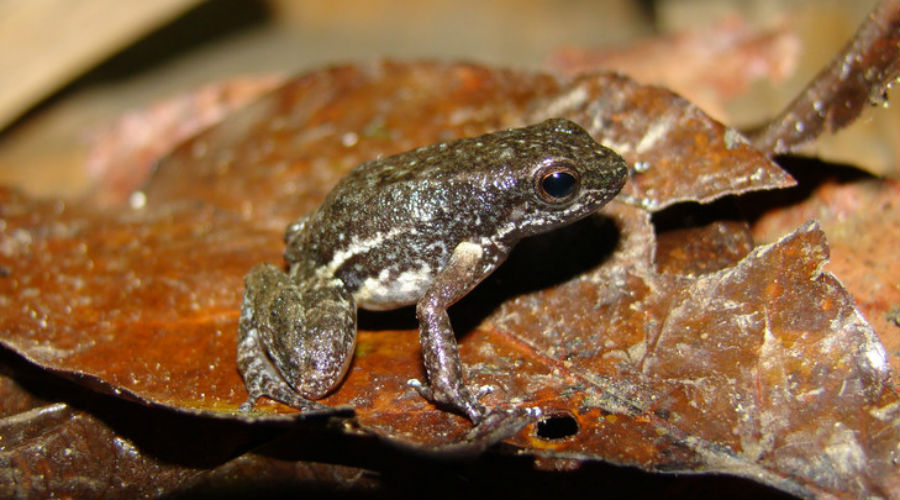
{"x": 422, "y": 227}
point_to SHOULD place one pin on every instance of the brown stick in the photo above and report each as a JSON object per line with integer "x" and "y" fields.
{"x": 860, "y": 74}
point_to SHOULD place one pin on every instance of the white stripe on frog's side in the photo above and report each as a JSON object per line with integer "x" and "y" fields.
{"x": 386, "y": 292}
{"x": 358, "y": 246}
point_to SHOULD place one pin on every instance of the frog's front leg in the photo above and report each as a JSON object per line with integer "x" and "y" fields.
{"x": 468, "y": 265}
{"x": 296, "y": 336}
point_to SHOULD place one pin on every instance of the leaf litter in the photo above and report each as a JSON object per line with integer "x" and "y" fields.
{"x": 616, "y": 333}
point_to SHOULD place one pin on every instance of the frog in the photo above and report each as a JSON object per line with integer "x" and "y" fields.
{"x": 419, "y": 228}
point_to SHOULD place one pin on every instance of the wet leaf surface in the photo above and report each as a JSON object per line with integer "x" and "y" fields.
{"x": 60, "y": 439}
{"x": 861, "y": 216}
{"x": 163, "y": 283}
{"x": 742, "y": 344}
{"x": 627, "y": 342}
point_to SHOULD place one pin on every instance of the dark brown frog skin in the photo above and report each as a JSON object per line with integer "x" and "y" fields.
{"x": 423, "y": 227}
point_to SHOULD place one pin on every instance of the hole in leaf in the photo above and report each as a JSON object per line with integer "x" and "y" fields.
{"x": 557, "y": 427}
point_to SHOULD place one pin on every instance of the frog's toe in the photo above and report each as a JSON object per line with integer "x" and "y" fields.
{"x": 496, "y": 426}
{"x": 459, "y": 399}
{"x": 289, "y": 398}
{"x": 505, "y": 421}
{"x": 247, "y": 406}
{"x": 286, "y": 395}
{"x": 473, "y": 409}
{"x": 261, "y": 378}
{"x": 423, "y": 389}
{"x": 484, "y": 391}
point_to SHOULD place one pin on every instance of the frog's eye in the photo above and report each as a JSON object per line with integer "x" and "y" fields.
{"x": 556, "y": 182}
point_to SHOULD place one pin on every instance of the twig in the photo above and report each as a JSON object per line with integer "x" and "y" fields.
{"x": 861, "y": 74}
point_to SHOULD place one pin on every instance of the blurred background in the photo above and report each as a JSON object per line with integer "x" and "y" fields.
{"x": 71, "y": 69}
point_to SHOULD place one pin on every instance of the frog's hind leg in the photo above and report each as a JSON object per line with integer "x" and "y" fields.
{"x": 262, "y": 378}
{"x": 294, "y": 341}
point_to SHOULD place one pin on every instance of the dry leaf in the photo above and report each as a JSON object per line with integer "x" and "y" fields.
{"x": 144, "y": 302}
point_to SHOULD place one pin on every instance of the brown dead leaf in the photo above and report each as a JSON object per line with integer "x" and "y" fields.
{"x": 707, "y": 66}
{"x": 163, "y": 283}
{"x": 51, "y": 448}
{"x": 124, "y": 151}
{"x": 280, "y": 157}
{"x": 715, "y": 68}
{"x": 120, "y": 450}
{"x": 861, "y": 216}
{"x": 145, "y": 302}
{"x": 733, "y": 371}
{"x": 59, "y": 451}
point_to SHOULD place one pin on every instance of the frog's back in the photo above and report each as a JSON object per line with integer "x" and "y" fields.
{"x": 434, "y": 189}
{"x": 469, "y": 175}
{"x": 398, "y": 219}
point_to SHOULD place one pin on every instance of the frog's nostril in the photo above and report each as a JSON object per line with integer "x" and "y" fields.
{"x": 558, "y": 426}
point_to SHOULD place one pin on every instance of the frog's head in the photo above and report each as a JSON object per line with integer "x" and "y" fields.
{"x": 567, "y": 177}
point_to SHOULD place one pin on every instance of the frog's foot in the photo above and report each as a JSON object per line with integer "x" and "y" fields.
{"x": 289, "y": 398}
{"x": 495, "y": 426}
{"x": 262, "y": 378}
{"x": 287, "y": 349}
{"x": 499, "y": 424}
{"x": 457, "y": 397}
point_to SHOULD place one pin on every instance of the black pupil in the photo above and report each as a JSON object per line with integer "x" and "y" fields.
{"x": 559, "y": 184}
